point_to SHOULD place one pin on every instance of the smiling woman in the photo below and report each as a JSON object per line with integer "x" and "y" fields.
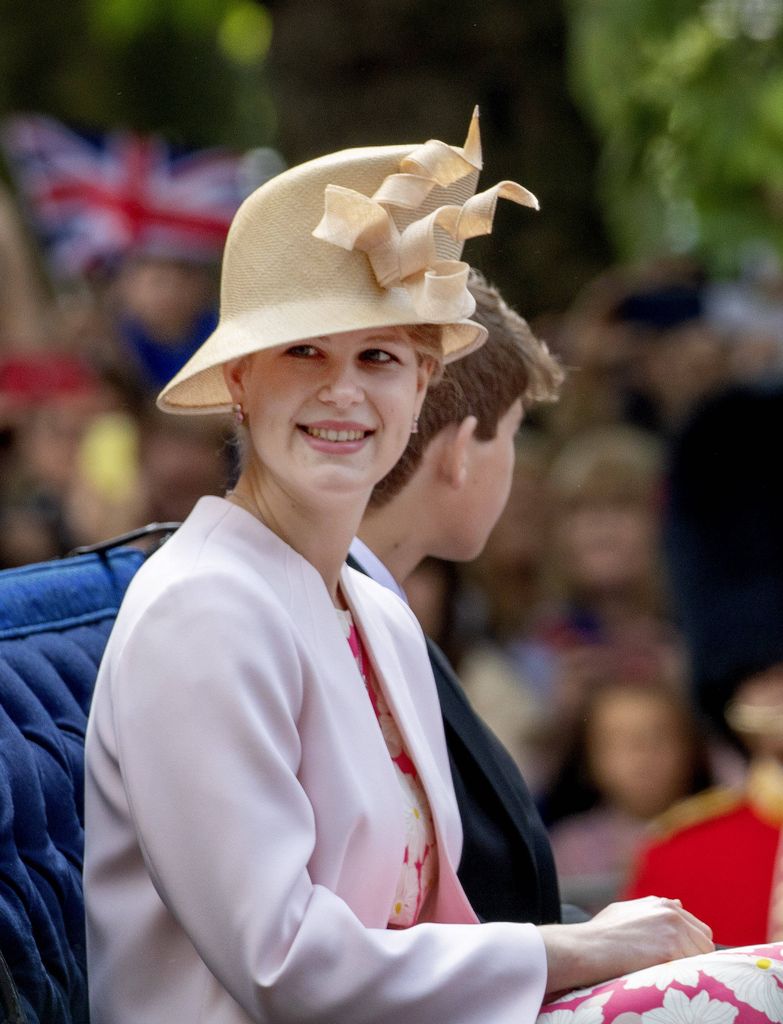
{"x": 270, "y": 813}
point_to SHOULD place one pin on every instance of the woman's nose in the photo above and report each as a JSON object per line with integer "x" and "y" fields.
{"x": 342, "y": 388}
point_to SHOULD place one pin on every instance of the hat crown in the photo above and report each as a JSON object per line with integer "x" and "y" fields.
{"x": 363, "y": 238}
{"x": 271, "y": 256}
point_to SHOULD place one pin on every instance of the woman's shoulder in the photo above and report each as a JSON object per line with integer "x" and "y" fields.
{"x": 219, "y": 540}
{"x": 194, "y": 557}
{"x": 211, "y": 574}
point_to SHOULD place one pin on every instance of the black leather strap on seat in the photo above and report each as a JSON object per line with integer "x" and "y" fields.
{"x": 10, "y": 1006}
{"x": 150, "y": 530}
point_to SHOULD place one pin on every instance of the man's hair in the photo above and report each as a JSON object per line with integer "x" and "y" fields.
{"x": 512, "y": 364}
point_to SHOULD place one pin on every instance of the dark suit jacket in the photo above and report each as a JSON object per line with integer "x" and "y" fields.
{"x": 506, "y": 868}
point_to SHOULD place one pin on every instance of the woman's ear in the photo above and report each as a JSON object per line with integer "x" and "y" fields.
{"x": 234, "y": 375}
{"x": 426, "y": 368}
{"x": 455, "y": 455}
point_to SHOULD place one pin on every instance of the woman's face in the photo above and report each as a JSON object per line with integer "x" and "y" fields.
{"x": 330, "y": 415}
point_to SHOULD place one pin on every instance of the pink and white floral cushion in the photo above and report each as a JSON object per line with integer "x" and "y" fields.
{"x": 729, "y": 986}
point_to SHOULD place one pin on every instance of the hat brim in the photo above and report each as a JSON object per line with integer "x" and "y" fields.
{"x": 200, "y": 385}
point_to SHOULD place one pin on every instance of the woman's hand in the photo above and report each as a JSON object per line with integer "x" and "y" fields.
{"x": 621, "y": 938}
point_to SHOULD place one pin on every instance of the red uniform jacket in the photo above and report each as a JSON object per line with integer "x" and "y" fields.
{"x": 721, "y": 853}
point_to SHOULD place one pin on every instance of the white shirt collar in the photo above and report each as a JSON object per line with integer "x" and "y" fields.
{"x": 375, "y": 568}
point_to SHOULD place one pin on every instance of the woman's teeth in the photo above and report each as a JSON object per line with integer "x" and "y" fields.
{"x": 336, "y": 435}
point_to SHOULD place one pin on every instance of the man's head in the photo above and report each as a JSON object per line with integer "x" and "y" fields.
{"x": 462, "y": 457}
{"x": 513, "y": 364}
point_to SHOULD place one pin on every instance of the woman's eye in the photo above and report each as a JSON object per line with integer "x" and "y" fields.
{"x": 377, "y": 355}
{"x": 302, "y": 351}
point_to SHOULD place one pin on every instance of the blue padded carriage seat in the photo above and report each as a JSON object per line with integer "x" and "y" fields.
{"x": 55, "y": 619}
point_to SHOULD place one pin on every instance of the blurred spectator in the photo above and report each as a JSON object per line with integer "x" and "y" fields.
{"x": 85, "y": 454}
{"x": 677, "y": 357}
{"x": 505, "y": 675}
{"x": 47, "y": 406}
{"x": 104, "y": 497}
{"x": 748, "y": 311}
{"x": 28, "y": 533}
{"x": 508, "y": 571}
{"x": 163, "y": 307}
{"x": 22, "y": 303}
{"x": 609, "y": 617}
{"x": 636, "y": 750}
{"x": 575, "y": 593}
{"x": 644, "y": 352}
{"x": 725, "y": 541}
{"x": 135, "y": 211}
{"x": 180, "y": 459}
{"x": 720, "y": 853}
{"x": 132, "y": 471}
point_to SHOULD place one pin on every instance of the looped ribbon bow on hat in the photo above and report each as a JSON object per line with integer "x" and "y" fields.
{"x": 409, "y": 257}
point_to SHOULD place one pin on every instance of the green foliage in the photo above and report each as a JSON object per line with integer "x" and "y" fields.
{"x": 191, "y": 69}
{"x": 362, "y": 72}
{"x": 338, "y": 73}
{"x": 687, "y": 99}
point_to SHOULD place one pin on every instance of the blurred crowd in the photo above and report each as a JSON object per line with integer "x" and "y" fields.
{"x": 84, "y": 453}
{"x": 571, "y": 632}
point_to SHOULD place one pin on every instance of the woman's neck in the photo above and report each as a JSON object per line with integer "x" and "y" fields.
{"x": 321, "y": 534}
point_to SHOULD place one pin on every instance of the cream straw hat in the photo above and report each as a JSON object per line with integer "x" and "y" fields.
{"x": 358, "y": 239}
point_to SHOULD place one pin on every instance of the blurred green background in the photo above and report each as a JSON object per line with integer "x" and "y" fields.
{"x": 645, "y": 127}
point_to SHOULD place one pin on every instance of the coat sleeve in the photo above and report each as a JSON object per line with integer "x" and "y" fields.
{"x": 205, "y": 717}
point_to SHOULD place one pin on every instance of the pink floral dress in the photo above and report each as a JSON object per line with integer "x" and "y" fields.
{"x": 730, "y": 986}
{"x": 420, "y": 860}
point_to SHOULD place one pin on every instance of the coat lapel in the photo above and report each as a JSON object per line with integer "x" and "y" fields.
{"x": 413, "y": 703}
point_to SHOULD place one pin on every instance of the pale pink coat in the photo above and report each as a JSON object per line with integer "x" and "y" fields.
{"x": 244, "y": 823}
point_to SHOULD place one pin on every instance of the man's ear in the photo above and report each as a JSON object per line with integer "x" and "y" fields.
{"x": 455, "y": 455}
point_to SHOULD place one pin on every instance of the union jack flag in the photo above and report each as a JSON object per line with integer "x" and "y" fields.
{"x": 96, "y": 198}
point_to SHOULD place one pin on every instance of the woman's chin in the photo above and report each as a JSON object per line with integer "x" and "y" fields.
{"x": 340, "y": 484}
{"x": 347, "y": 477}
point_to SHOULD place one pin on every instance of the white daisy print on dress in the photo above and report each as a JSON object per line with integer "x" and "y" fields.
{"x": 686, "y": 972}
{"x": 589, "y": 1012}
{"x": 755, "y": 980}
{"x": 406, "y": 899}
{"x": 679, "y": 1008}
{"x": 391, "y": 733}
